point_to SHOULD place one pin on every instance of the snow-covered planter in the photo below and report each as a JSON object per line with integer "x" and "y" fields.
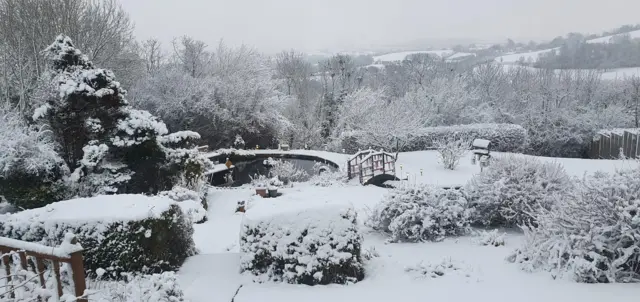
{"x": 312, "y": 246}
{"x": 420, "y": 213}
{"x": 593, "y": 236}
{"x": 119, "y": 233}
{"x": 514, "y": 188}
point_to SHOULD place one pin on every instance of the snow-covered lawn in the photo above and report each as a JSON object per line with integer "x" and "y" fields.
{"x": 401, "y": 272}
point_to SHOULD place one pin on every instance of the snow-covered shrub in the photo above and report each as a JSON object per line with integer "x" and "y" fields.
{"x": 513, "y": 188}
{"x": 191, "y": 202}
{"x": 163, "y": 287}
{"x": 238, "y": 143}
{"x": 286, "y": 171}
{"x": 451, "y": 150}
{"x": 503, "y": 137}
{"x": 312, "y": 246}
{"x": 420, "y": 213}
{"x": 446, "y": 267}
{"x": 592, "y": 236}
{"x": 109, "y": 146}
{"x": 30, "y": 169}
{"x": 119, "y": 233}
{"x": 329, "y": 178}
{"x": 492, "y": 237}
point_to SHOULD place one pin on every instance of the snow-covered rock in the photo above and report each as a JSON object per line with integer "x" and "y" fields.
{"x": 311, "y": 246}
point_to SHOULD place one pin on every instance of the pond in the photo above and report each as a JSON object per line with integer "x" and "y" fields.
{"x": 245, "y": 170}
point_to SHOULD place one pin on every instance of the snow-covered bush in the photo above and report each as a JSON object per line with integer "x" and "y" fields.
{"x": 446, "y": 267}
{"x": 514, "y": 188}
{"x": 238, "y": 143}
{"x": 163, "y": 287}
{"x": 191, "y": 202}
{"x": 420, "y": 213}
{"x": 311, "y": 246}
{"x": 287, "y": 171}
{"x": 120, "y": 233}
{"x": 109, "y": 146}
{"x": 451, "y": 150}
{"x": 503, "y": 137}
{"x": 30, "y": 169}
{"x": 492, "y": 237}
{"x": 329, "y": 178}
{"x": 592, "y": 236}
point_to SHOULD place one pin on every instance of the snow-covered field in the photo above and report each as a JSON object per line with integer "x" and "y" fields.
{"x": 531, "y": 56}
{"x": 471, "y": 271}
{"x": 399, "y": 56}
{"x": 607, "y": 39}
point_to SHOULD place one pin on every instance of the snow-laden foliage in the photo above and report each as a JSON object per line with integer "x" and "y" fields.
{"x": 435, "y": 270}
{"x": 239, "y": 143}
{"x": 191, "y": 202}
{"x": 312, "y": 246}
{"x": 109, "y": 146}
{"x": 592, "y": 236}
{"x": 419, "y": 213}
{"x": 286, "y": 171}
{"x": 493, "y": 238}
{"x": 451, "y": 150}
{"x": 119, "y": 233}
{"x": 513, "y": 188}
{"x": 329, "y": 178}
{"x": 162, "y": 287}
{"x": 30, "y": 167}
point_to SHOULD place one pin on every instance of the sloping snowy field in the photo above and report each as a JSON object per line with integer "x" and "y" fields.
{"x": 472, "y": 272}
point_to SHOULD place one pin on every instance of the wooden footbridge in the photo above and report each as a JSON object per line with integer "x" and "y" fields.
{"x": 372, "y": 167}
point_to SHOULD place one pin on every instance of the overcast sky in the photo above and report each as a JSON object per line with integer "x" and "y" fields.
{"x": 272, "y": 25}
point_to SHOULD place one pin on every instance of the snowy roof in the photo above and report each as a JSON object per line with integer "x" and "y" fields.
{"x": 481, "y": 143}
{"x": 103, "y": 208}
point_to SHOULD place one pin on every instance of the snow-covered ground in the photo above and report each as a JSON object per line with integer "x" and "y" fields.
{"x": 475, "y": 272}
{"x": 531, "y": 56}
{"x": 399, "y": 56}
{"x": 607, "y": 39}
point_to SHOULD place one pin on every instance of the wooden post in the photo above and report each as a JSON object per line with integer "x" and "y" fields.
{"x": 7, "y": 270}
{"x": 77, "y": 269}
{"x": 56, "y": 270}
{"x": 23, "y": 260}
{"x": 40, "y": 271}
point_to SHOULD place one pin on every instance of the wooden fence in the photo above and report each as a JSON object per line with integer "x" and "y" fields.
{"x": 32, "y": 255}
{"x": 607, "y": 145}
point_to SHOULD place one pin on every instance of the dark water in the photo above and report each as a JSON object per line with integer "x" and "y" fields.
{"x": 243, "y": 171}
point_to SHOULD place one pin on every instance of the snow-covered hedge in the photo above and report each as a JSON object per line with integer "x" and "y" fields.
{"x": 163, "y": 287}
{"x": 311, "y": 246}
{"x": 286, "y": 171}
{"x": 513, "y": 188}
{"x": 119, "y": 233}
{"x": 418, "y": 213}
{"x": 503, "y": 137}
{"x": 592, "y": 236}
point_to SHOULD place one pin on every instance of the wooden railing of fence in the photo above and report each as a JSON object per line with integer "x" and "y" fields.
{"x": 41, "y": 253}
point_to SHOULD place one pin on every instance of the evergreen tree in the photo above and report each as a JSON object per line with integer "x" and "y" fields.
{"x": 109, "y": 146}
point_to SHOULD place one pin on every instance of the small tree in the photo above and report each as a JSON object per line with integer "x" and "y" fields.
{"x": 239, "y": 142}
{"x": 109, "y": 146}
{"x": 451, "y": 150}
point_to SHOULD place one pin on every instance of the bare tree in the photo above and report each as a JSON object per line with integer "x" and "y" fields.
{"x": 633, "y": 104}
{"x": 152, "y": 55}
{"x": 192, "y": 55}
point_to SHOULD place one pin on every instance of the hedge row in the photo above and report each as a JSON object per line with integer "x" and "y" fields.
{"x": 119, "y": 233}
